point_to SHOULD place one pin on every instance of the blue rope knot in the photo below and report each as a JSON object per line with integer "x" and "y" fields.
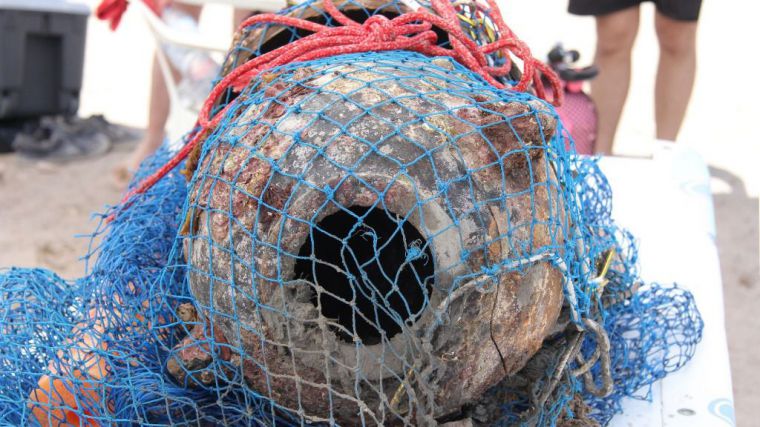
{"x": 490, "y": 270}
{"x": 413, "y": 252}
{"x": 329, "y": 192}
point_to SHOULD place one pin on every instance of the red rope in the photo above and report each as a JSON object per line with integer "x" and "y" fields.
{"x": 410, "y": 31}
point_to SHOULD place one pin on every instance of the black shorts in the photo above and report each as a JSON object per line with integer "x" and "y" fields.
{"x": 681, "y": 10}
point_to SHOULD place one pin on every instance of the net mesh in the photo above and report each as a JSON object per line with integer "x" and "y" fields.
{"x": 376, "y": 238}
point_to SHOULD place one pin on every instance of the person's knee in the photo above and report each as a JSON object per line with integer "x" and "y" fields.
{"x": 616, "y": 45}
{"x": 191, "y": 9}
{"x": 676, "y": 38}
{"x": 616, "y": 32}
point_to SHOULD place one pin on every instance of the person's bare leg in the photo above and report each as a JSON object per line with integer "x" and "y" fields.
{"x": 158, "y": 113}
{"x": 675, "y": 73}
{"x": 238, "y": 16}
{"x": 159, "y": 107}
{"x": 616, "y": 33}
{"x": 191, "y": 9}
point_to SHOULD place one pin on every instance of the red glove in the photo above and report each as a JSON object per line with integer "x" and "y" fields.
{"x": 112, "y": 10}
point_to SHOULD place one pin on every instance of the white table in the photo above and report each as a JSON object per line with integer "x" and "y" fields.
{"x": 666, "y": 203}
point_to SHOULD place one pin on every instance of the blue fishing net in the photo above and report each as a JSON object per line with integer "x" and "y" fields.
{"x": 377, "y": 238}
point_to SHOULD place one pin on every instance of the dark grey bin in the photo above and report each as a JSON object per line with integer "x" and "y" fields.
{"x": 41, "y": 57}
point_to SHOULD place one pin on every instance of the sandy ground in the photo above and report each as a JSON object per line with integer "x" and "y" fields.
{"x": 44, "y": 205}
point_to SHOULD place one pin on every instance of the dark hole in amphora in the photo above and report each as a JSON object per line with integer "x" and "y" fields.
{"x": 361, "y": 263}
